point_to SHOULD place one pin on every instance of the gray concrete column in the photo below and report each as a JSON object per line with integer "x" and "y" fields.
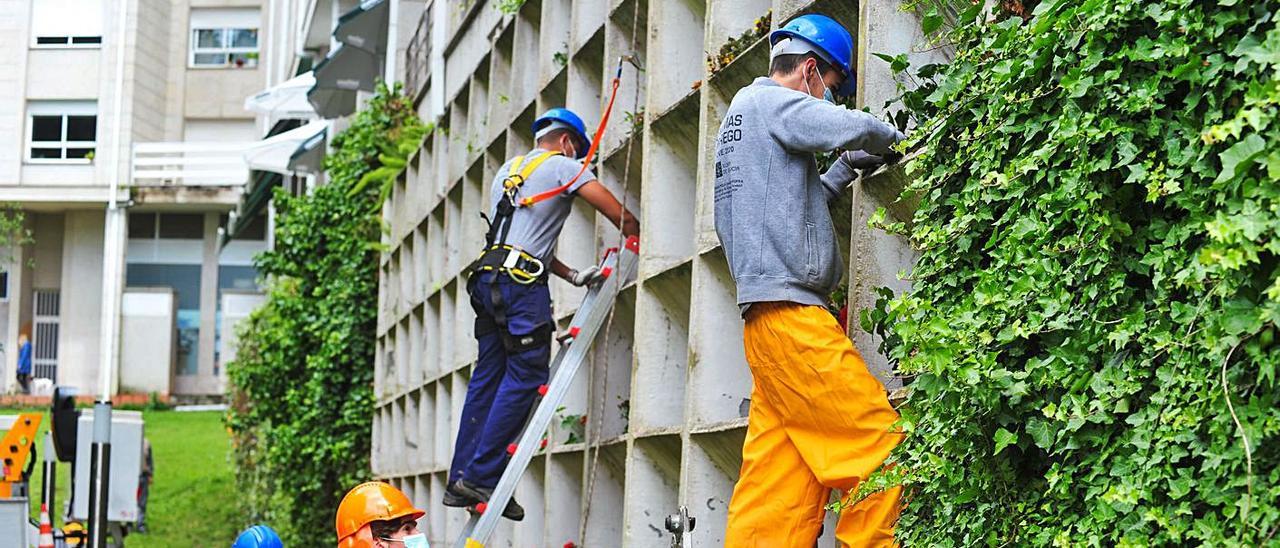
{"x": 208, "y": 304}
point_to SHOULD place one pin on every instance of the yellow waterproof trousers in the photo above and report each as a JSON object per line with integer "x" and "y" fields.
{"x": 819, "y": 421}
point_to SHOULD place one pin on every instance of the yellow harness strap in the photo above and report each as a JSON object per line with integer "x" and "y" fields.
{"x": 519, "y": 174}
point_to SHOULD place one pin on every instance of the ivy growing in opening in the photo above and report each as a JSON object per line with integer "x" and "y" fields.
{"x": 1092, "y": 328}
{"x": 301, "y": 384}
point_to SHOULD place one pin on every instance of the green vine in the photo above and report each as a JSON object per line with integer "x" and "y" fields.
{"x": 509, "y": 7}
{"x": 1091, "y": 330}
{"x": 301, "y": 385}
{"x": 14, "y": 233}
{"x": 735, "y": 46}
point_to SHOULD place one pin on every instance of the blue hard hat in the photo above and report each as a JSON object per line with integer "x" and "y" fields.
{"x": 829, "y": 37}
{"x": 258, "y": 536}
{"x": 566, "y": 116}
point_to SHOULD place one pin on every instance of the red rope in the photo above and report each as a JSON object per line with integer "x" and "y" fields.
{"x": 591, "y": 152}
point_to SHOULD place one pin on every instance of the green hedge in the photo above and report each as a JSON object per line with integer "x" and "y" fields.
{"x": 1091, "y": 331}
{"x": 301, "y": 383}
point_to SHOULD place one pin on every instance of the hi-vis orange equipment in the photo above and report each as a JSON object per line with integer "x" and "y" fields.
{"x": 367, "y": 503}
{"x": 15, "y": 449}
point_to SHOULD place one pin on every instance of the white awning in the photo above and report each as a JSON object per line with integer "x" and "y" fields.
{"x": 273, "y": 153}
{"x": 287, "y": 99}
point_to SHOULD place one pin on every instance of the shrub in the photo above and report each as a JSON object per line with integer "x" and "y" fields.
{"x": 301, "y": 393}
{"x": 1091, "y": 331}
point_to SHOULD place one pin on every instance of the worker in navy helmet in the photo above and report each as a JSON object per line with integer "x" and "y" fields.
{"x": 531, "y": 196}
{"x": 819, "y": 420}
{"x": 258, "y": 536}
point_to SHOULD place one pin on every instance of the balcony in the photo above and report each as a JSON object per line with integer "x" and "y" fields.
{"x": 418, "y": 57}
{"x": 189, "y": 164}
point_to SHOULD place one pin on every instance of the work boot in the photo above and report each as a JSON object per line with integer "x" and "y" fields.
{"x": 513, "y": 511}
{"x": 455, "y": 499}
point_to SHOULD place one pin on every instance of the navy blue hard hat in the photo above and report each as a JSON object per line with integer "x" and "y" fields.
{"x": 568, "y": 118}
{"x": 258, "y": 536}
{"x": 829, "y": 38}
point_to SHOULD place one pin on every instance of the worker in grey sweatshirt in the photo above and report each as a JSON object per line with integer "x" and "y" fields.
{"x": 819, "y": 420}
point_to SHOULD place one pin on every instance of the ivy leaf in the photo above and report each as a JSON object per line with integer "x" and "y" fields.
{"x": 932, "y": 22}
{"x": 1004, "y": 438}
{"x": 1042, "y": 432}
{"x": 1239, "y": 156}
{"x": 897, "y": 63}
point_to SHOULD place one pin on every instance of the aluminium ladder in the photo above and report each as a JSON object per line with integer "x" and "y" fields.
{"x": 617, "y": 267}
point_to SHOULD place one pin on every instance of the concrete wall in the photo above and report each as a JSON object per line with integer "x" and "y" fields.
{"x": 76, "y": 76}
{"x": 236, "y": 306}
{"x": 15, "y": 22}
{"x": 220, "y": 93}
{"x": 80, "y": 332}
{"x": 668, "y": 389}
{"x": 147, "y": 340}
{"x": 151, "y": 70}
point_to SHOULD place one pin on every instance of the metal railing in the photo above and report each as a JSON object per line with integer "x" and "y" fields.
{"x": 417, "y": 56}
{"x": 189, "y": 163}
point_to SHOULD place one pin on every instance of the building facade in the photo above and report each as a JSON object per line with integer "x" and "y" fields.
{"x": 170, "y": 135}
{"x": 657, "y": 420}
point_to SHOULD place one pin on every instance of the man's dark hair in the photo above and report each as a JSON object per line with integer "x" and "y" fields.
{"x": 384, "y": 528}
{"x": 784, "y": 65}
{"x": 554, "y": 135}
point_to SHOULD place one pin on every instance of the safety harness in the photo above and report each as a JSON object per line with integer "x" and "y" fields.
{"x": 497, "y": 255}
{"x": 502, "y": 258}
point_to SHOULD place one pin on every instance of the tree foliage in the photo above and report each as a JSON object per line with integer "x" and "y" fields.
{"x": 301, "y": 383}
{"x": 1091, "y": 330}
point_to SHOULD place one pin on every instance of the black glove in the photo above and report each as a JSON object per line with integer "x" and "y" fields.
{"x": 858, "y": 159}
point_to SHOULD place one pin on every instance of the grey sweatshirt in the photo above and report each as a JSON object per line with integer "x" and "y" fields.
{"x": 771, "y": 203}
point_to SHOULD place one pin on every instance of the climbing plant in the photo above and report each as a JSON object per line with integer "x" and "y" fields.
{"x": 14, "y": 233}
{"x": 1091, "y": 333}
{"x": 300, "y": 386}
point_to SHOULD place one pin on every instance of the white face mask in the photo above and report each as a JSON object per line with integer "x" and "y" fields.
{"x": 572, "y": 147}
{"x": 826, "y": 91}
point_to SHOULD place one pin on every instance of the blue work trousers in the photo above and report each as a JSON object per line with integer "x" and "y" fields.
{"x": 505, "y": 381}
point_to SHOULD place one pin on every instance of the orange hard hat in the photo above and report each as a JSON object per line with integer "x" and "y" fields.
{"x": 366, "y": 503}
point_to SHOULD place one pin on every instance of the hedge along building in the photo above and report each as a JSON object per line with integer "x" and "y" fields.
{"x": 658, "y": 420}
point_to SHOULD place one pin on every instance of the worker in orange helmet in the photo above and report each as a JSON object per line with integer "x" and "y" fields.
{"x": 376, "y": 515}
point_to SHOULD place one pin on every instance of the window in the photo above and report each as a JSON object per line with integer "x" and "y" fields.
{"x": 66, "y": 24}
{"x": 62, "y": 131}
{"x": 166, "y": 226}
{"x": 224, "y": 38}
{"x": 142, "y": 226}
{"x": 4, "y": 285}
{"x": 182, "y": 226}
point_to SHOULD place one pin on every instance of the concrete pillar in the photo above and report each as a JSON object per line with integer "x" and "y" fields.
{"x": 17, "y": 310}
{"x": 80, "y": 313}
{"x": 208, "y": 304}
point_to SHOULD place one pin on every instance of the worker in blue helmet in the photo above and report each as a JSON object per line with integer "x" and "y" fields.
{"x": 258, "y": 536}
{"x": 819, "y": 420}
{"x": 531, "y": 196}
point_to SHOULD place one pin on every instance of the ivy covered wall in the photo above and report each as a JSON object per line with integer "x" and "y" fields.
{"x": 302, "y": 382}
{"x": 1091, "y": 331}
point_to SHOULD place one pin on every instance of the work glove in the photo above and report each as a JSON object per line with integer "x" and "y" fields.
{"x": 586, "y": 276}
{"x": 858, "y": 159}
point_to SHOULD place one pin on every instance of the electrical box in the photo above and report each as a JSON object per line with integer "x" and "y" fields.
{"x": 14, "y": 527}
{"x": 126, "y": 466}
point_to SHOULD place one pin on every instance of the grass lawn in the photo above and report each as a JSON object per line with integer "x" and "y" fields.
{"x": 193, "y": 499}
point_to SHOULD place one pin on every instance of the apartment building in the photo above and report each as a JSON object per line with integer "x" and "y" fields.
{"x": 174, "y": 139}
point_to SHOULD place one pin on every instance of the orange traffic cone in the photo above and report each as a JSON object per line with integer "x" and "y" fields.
{"x": 46, "y": 528}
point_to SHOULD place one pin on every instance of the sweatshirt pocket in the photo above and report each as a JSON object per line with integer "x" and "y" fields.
{"x": 811, "y": 252}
